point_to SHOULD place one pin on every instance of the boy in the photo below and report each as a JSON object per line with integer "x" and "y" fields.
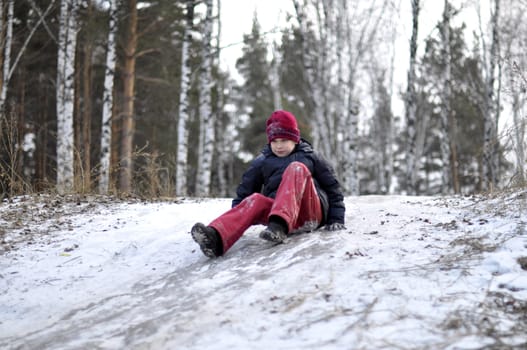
{"x": 287, "y": 187}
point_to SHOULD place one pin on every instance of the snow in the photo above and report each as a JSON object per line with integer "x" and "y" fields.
{"x": 407, "y": 272}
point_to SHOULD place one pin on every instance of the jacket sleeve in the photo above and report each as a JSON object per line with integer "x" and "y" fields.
{"x": 252, "y": 181}
{"x": 328, "y": 182}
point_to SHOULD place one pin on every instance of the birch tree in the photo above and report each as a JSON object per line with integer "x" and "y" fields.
{"x": 335, "y": 37}
{"x": 275, "y": 78}
{"x": 222, "y": 149}
{"x": 368, "y": 21}
{"x": 381, "y": 131}
{"x": 348, "y": 154}
{"x": 183, "y": 112}
{"x": 446, "y": 88}
{"x": 389, "y": 127}
{"x": 65, "y": 93}
{"x": 515, "y": 55}
{"x": 109, "y": 74}
{"x": 8, "y": 40}
{"x": 491, "y": 110}
{"x": 87, "y": 109}
{"x": 520, "y": 125}
{"x": 206, "y": 144}
{"x": 449, "y": 173}
{"x": 410, "y": 103}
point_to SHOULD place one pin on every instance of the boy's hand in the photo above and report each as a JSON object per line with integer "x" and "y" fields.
{"x": 336, "y": 226}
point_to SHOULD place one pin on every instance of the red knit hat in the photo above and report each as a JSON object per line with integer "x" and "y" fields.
{"x": 282, "y": 124}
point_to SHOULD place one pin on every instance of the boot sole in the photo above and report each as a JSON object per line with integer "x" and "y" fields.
{"x": 271, "y": 236}
{"x": 200, "y": 237}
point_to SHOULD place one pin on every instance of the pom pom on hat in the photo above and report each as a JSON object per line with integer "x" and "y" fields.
{"x": 282, "y": 125}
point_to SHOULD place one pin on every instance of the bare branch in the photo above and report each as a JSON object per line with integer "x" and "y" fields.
{"x": 42, "y": 16}
{"x": 23, "y": 48}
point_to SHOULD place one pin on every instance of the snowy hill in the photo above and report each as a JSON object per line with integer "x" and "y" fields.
{"x": 407, "y": 273}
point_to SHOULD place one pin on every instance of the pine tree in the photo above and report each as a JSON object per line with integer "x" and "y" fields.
{"x": 256, "y": 95}
{"x": 128, "y": 122}
{"x": 465, "y": 103}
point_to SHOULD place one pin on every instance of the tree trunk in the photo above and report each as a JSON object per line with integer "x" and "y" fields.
{"x": 519, "y": 125}
{"x": 275, "y": 78}
{"x": 65, "y": 94}
{"x": 3, "y": 41}
{"x": 128, "y": 124}
{"x": 411, "y": 107}
{"x": 115, "y": 145}
{"x": 205, "y": 109}
{"x": 20, "y": 115}
{"x": 182, "y": 146}
{"x": 448, "y": 138}
{"x": 77, "y": 127}
{"x": 7, "y": 42}
{"x": 107, "y": 100}
{"x": 489, "y": 126}
{"x": 87, "y": 106}
{"x": 221, "y": 149}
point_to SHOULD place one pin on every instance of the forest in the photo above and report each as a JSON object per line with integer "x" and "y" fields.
{"x": 128, "y": 97}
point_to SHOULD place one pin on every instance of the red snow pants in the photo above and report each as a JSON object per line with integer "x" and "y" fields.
{"x": 296, "y": 202}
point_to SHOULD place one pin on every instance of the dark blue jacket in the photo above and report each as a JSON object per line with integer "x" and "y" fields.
{"x": 265, "y": 173}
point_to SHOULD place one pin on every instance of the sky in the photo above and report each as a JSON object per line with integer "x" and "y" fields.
{"x": 406, "y": 273}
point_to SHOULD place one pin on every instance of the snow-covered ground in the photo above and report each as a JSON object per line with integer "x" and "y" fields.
{"x": 407, "y": 273}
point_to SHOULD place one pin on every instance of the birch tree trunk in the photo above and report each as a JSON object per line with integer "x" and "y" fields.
{"x": 275, "y": 78}
{"x": 348, "y": 155}
{"x": 411, "y": 106}
{"x": 343, "y": 49}
{"x": 389, "y": 161}
{"x": 8, "y": 40}
{"x": 106, "y": 132}
{"x": 496, "y": 38}
{"x": 205, "y": 109}
{"x": 221, "y": 150}
{"x": 489, "y": 126}
{"x": 448, "y": 145}
{"x": 183, "y": 113}
{"x": 358, "y": 44}
{"x": 128, "y": 124}
{"x": 2, "y": 74}
{"x": 65, "y": 94}
{"x": 519, "y": 133}
{"x": 515, "y": 52}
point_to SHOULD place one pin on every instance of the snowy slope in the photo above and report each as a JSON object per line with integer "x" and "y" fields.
{"x": 408, "y": 272}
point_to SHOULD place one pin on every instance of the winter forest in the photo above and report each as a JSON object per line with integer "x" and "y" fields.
{"x": 128, "y": 97}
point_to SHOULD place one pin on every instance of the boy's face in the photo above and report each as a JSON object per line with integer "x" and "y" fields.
{"x": 282, "y": 147}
